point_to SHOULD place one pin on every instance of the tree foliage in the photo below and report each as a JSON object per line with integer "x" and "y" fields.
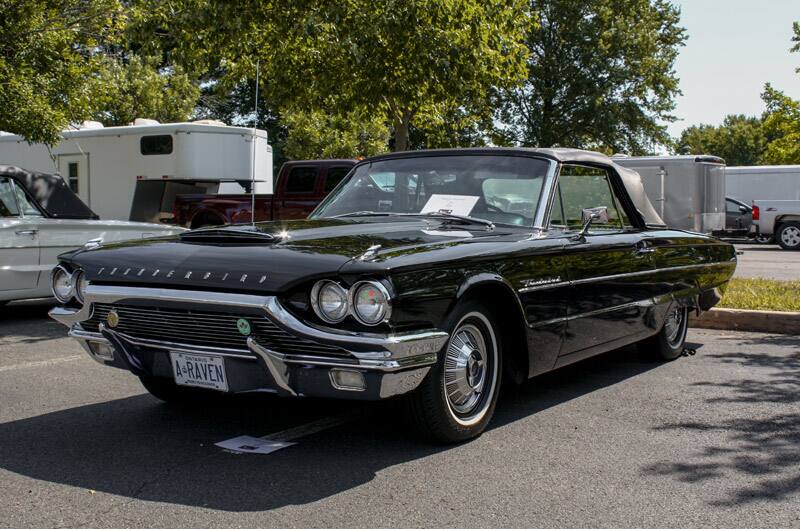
{"x": 48, "y": 60}
{"x": 739, "y": 140}
{"x": 409, "y": 61}
{"x": 319, "y": 134}
{"x": 600, "y": 75}
{"x": 137, "y": 87}
{"x": 781, "y": 128}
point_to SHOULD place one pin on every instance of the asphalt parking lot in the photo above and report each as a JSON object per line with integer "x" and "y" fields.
{"x": 768, "y": 261}
{"x": 617, "y": 441}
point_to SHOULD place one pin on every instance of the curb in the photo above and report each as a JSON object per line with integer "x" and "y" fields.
{"x": 748, "y": 320}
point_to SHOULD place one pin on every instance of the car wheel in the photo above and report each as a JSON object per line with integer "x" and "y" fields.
{"x": 763, "y": 239}
{"x": 165, "y": 389}
{"x": 669, "y": 342}
{"x": 456, "y": 400}
{"x": 788, "y": 236}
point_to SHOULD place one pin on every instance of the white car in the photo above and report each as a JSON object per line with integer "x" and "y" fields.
{"x": 40, "y": 218}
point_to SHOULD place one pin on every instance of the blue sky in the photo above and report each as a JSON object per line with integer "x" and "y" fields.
{"x": 734, "y": 47}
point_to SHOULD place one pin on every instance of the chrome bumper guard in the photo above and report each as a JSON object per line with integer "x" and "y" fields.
{"x": 403, "y": 359}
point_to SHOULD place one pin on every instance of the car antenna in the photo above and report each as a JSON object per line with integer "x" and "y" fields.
{"x": 253, "y": 165}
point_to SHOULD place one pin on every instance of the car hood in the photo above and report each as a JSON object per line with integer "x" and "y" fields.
{"x": 273, "y": 256}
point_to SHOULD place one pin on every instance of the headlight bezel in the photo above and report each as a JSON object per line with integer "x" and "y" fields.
{"x": 387, "y": 305}
{"x": 77, "y": 277}
{"x": 60, "y": 269}
{"x": 316, "y": 291}
{"x": 349, "y": 297}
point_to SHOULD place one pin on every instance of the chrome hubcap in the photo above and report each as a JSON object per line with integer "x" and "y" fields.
{"x": 465, "y": 369}
{"x": 790, "y": 236}
{"x": 674, "y": 325}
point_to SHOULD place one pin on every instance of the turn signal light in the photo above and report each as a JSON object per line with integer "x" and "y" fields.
{"x": 348, "y": 380}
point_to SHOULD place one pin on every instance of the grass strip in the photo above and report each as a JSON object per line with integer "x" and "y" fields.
{"x": 762, "y": 294}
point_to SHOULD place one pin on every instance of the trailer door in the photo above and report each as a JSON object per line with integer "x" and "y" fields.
{"x": 74, "y": 168}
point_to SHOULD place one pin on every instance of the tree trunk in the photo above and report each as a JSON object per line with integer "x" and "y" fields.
{"x": 401, "y": 125}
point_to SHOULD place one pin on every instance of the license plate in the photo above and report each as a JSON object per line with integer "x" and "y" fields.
{"x": 198, "y": 370}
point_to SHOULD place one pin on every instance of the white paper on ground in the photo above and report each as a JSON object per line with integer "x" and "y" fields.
{"x": 253, "y": 445}
{"x": 450, "y": 204}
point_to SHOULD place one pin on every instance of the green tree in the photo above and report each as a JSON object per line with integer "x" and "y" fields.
{"x": 317, "y": 134}
{"x": 739, "y": 140}
{"x": 137, "y": 87}
{"x": 781, "y": 127}
{"x": 49, "y": 56}
{"x": 796, "y": 39}
{"x": 235, "y": 106}
{"x": 411, "y": 62}
{"x": 600, "y": 75}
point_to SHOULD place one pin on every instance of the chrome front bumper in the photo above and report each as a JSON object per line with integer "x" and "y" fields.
{"x": 397, "y": 363}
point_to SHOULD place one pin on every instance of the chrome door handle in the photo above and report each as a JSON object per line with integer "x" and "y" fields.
{"x": 26, "y": 232}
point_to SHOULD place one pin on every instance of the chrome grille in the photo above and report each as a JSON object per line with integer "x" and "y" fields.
{"x": 204, "y": 328}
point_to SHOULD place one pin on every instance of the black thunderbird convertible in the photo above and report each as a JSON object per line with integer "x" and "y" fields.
{"x": 432, "y": 275}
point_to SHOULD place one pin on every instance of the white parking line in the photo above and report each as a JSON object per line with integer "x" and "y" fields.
{"x": 41, "y": 363}
{"x": 285, "y": 438}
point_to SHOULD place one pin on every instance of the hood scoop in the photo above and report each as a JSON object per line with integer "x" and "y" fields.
{"x": 238, "y": 235}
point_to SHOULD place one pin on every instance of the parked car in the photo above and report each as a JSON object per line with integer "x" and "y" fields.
{"x": 40, "y": 217}
{"x": 300, "y": 186}
{"x": 409, "y": 280}
{"x": 779, "y": 220}
{"x": 738, "y": 218}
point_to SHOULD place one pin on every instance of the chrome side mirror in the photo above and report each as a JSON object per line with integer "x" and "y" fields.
{"x": 590, "y": 215}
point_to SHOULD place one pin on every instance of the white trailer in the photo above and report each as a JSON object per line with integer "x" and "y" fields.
{"x": 134, "y": 172}
{"x": 765, "y": 182}
{"x": 688, "y": 192}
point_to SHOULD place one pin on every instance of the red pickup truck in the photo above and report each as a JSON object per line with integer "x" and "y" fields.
{"x": 300, "y": 186}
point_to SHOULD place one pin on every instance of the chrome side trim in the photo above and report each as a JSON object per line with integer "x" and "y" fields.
{"x": 548, "y": 286}
{"x": 618, "y": 276}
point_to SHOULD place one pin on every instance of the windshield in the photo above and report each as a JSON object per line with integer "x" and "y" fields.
{"x": 499, "y": 188}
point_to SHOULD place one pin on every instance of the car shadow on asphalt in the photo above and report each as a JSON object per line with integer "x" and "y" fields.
{"x": 28, "y": 322}
{"x": 765, "y": 449}
{"x": 138, "y": 448}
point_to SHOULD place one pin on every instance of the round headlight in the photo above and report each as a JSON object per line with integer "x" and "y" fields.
{"x": 62, "y": 284}
{"x": 329, "y": 301}
{"x": 80, "y": 282}
{"x": 370, "y": 302}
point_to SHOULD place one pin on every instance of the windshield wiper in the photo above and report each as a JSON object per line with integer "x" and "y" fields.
{"x": 446, "y": 218}
{"x": 366, "y": 214}
{"x": 451, "y": 218}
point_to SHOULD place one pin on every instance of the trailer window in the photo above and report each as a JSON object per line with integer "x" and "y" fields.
{"x": 301, "y": 180}
{"x": 160, "y": 144}
{"x": 72, "y": 176}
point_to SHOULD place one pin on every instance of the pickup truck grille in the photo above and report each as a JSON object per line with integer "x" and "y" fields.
{"x": 209, "y": 329}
